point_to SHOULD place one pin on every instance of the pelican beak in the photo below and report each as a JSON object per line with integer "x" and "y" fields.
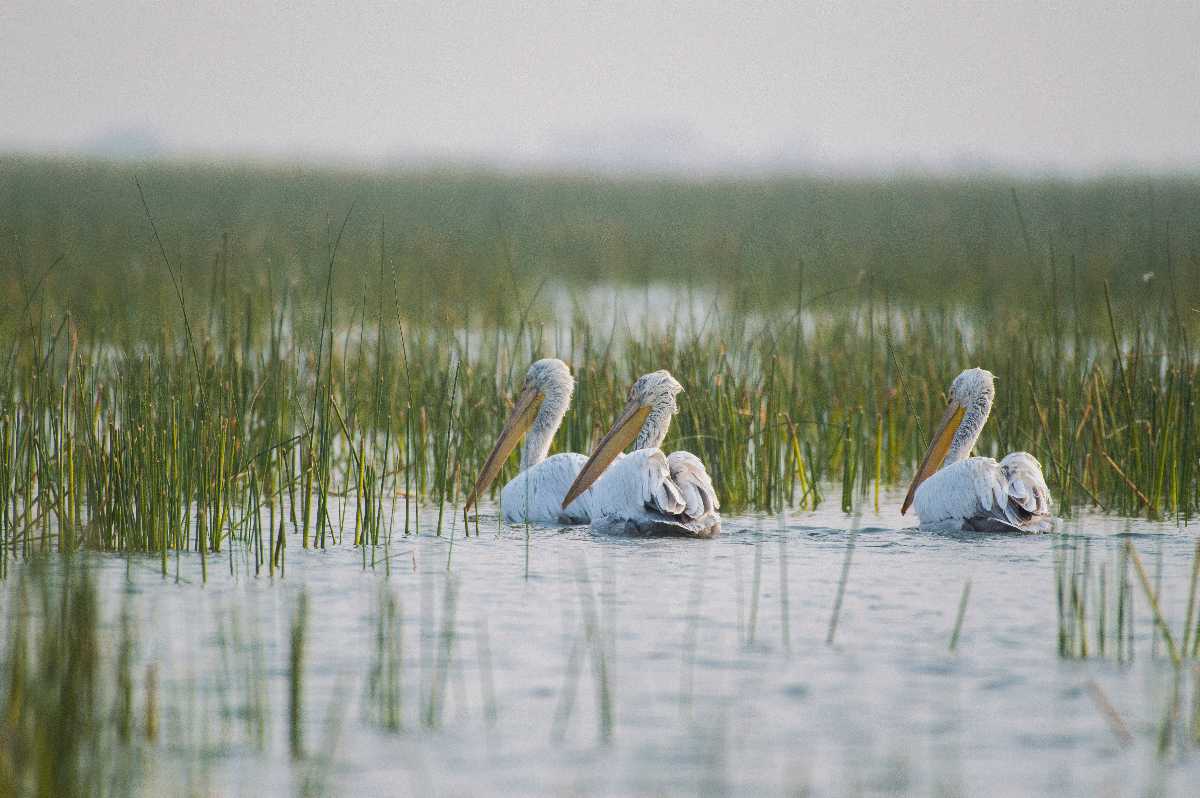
{"x": 942, "y": 437}
{"x": 623, "y": 433}
{"x": 518, "y": 423}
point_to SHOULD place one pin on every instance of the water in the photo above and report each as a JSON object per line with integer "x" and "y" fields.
{"x": 565, "y": 663}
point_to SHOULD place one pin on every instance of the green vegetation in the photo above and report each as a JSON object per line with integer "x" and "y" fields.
{"x": 1096, "y": 595}
{"x": 213, "y": 366}
{"x": 217, "y": 364}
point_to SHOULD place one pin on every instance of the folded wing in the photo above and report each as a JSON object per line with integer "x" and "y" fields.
{"x": 980, "y": 495}
{"x": 1025, "y": 498}
{"x": 694, "y": 485}
{"x": 647, "y": 492}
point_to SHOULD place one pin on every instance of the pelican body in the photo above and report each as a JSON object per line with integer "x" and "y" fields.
{"x": 647, "y": 492}
{"x": 953, "y": 491}
{"x": 536, "y": 494}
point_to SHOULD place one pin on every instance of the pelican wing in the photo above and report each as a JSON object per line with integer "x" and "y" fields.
{"x": 535, "y": 495}
{"x": 631, "y": 482}
{"x": 980, "y": 495}
{"x": 693, "y": 483}
{"x": 646, "y": 492}
{"x": 1026, "y": 498}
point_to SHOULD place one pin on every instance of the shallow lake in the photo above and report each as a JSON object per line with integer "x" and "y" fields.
{"x": 530, "y": 661}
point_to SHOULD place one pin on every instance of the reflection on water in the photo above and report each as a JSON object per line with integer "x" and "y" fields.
{"x": 554, "y": 312}
{"x": 551, "y": 661}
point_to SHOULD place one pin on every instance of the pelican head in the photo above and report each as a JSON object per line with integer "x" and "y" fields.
{"x": 548, "y": 385}
{"x": 971, "y": 396}
{"x": 645, "y": 419}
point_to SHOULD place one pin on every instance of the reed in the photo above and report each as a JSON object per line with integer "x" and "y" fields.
{"x": 252, "y": 382}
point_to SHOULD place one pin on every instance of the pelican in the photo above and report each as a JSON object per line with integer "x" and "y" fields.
{"x": 535, "y": 495}
{"x": 976, "y": 494}
{"x": 648, "y": 492}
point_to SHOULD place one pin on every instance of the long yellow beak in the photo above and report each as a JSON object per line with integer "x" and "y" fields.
{"x": 518, "y": 423}
{"x": 942, "y": 437}
{"x": 623, "y": 433}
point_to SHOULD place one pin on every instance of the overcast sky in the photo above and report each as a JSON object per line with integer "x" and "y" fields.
{"x": 1075, "y": 86}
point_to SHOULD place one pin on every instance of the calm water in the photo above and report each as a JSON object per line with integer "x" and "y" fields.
{"x": 572, "y": 664}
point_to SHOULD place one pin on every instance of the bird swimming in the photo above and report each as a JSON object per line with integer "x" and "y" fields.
{"x": 953, "y": 491}
{"x": 647, "y": 492}
{"x": 536, "y": 494}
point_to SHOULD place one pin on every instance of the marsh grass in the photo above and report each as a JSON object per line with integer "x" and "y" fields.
{"x": 1097, "y": 607}
{"x": 216, "y": 362}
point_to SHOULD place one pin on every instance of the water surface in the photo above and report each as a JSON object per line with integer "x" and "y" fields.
{"x": 553, "y": 661}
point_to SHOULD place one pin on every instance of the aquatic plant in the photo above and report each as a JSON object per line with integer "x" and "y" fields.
{"x": 216, "y": 364}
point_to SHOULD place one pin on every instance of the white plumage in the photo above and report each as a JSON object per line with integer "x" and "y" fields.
{"x": 976, "y": 494}
{"x": 981, "y": 495}
{"x": 648, "y": 492}
{"x": 536, "y": 494}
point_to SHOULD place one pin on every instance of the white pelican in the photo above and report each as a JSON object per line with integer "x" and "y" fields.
{"x": 648, "y": 491}
{"x": 536, "y": 494}
{"x": 976, "y": 494}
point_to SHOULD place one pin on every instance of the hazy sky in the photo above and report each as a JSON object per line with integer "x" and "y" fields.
{"x": 1068, "y": 86}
